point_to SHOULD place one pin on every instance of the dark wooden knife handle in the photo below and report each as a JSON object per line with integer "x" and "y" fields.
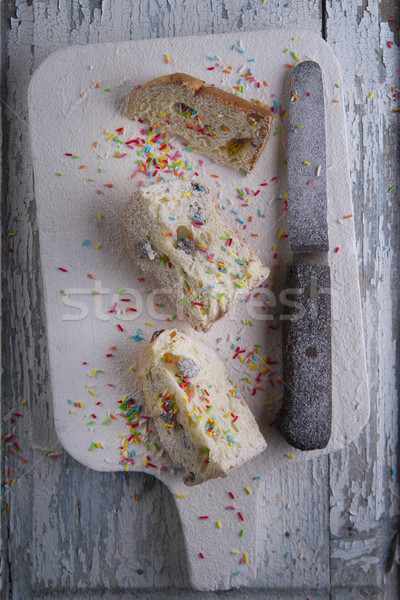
{"x": 305, "y": 417}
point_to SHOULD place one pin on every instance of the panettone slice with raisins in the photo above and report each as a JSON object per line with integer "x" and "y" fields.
{"x": 225, "y": 127}
{"x": 202, "y": 421}
{"x": 205, "y": 265}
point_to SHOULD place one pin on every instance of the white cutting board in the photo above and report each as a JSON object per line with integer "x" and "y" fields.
{"x": 73, "y": 103}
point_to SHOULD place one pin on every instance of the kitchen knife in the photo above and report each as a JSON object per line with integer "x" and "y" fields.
{"x": 305, "y": 417}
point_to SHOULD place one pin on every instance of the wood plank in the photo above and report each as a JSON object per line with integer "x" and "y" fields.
{"x": 3, "y": 532}
{"x": 251, "y": 594}
{"x": 293, "y": 548}
{"x": 363, "y": 476}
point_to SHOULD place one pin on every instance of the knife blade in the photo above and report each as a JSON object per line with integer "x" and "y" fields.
{"x": 305, "y": 417}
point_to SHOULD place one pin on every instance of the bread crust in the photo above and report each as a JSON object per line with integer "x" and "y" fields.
{"x": 198, "y": 87}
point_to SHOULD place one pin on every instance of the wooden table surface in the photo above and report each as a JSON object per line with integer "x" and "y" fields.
{"x": 68, "y": 532}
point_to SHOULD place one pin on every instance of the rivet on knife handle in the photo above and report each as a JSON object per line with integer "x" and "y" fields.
{"x": 305, "y": 417}
{"x": 306, "y": 413}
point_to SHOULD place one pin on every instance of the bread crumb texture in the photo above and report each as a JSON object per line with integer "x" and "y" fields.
{"x": 202, "y": 420}
{"x": 203, "y": 264}
{"x": 228, "y": 129}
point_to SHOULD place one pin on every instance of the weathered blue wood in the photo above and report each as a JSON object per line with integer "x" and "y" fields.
{"x": 363, "y": 479}
{"x": 74, "y": 533}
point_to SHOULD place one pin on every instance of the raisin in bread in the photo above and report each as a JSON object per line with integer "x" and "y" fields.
{"x": 204, "y": 264}
{"x": 203, "y": 422}
{"x": 226, "y": 128}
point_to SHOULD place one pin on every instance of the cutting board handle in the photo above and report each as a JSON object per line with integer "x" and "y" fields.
{"x": 230, "y": 557}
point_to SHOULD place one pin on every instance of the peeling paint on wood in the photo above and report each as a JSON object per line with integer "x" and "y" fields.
{"x": 363, "y": 477}
{"x": 79, "y": 532}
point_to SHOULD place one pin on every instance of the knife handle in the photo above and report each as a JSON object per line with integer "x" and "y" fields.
{"x": 305, "y": 417}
